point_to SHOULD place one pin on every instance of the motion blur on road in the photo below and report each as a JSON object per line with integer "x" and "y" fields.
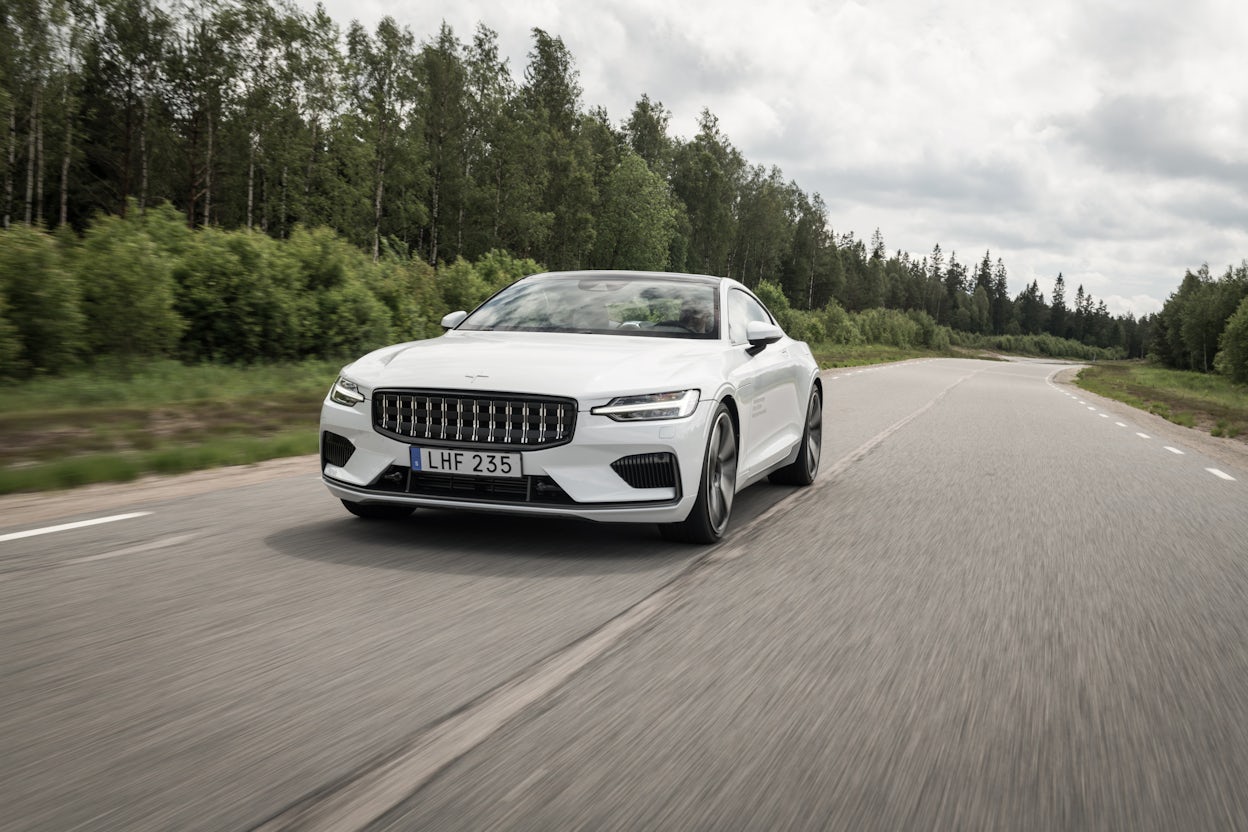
{"x": 1005, "y": 604}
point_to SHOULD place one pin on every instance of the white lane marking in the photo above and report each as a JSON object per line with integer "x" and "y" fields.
{"x": 1221, "y": 474}
{"x": 67, "y": 526}
{"x": 1143, "y": 435}
{"x": 152, "y": 545}
{"x": 1121, "y": 424}
{"x": 1081, "y": 401}
{"x": 1174, "y": 450}
{"x": 1103, "y": 415}
{"x": 1090, "y": 407}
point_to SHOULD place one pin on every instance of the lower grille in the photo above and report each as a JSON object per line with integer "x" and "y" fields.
{"x": 647, "y": 470}
{"x": 536, "y": 490}
{"x": 335, "y": 449}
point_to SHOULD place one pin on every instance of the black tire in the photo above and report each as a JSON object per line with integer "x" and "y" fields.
{"x": 708, "y": 519}
{"x": 377, "y": 511}
{"x": 804, "y": 469}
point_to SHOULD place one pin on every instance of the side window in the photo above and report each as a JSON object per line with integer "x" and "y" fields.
{"x": 742, "y": 309}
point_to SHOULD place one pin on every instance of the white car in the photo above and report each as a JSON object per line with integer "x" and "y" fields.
{"x": 635, "y": 397}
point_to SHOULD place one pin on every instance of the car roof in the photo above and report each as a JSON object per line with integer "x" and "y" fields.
{"x": 621, "y": 273}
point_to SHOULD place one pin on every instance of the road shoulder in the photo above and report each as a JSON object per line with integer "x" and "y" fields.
{"x": 35, "y": 507}
{"x": 1229, "y": 452}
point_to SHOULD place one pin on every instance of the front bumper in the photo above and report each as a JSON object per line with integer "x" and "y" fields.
{"x": 584, "y": 483}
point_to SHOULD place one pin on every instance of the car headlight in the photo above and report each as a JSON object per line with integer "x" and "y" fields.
{"x": 674, "y": 405}
{"x": 346, "y": 392}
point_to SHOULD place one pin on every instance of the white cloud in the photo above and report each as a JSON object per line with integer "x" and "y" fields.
{"x": 1104, "y": 139}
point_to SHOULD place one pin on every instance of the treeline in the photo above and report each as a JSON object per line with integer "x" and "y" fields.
{"x": 1204, "y": 325}
{"x": 256, "y": 114}
{"x": 146, "y": 286}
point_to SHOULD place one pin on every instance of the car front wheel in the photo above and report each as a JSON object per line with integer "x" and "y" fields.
{"x": 708, "y": 519}
{"x": 377, "y": 511}
{"x": 802, "y": 470}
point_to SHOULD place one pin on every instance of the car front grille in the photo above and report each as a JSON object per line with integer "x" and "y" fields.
{"x": 492, "y": 419}
{"x": 537, "y": 490}
{"x": 647, "y": 470}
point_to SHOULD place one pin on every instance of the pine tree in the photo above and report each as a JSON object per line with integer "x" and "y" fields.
{"x": 1058, "y": 312}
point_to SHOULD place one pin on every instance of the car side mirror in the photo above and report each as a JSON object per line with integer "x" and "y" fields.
{"x": 454, "y": 319}
{"x": 760, "y": 334}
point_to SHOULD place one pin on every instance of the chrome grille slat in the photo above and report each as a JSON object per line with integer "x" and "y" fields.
{"x": 489, "y": 419}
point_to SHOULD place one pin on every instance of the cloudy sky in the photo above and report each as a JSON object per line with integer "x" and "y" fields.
{"x": 1104, "y": 139}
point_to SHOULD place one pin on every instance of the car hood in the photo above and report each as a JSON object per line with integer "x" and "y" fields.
{"x": 584, "y": 367}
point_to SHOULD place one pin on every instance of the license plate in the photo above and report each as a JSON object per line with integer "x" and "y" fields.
{"x": 465, "y": 463}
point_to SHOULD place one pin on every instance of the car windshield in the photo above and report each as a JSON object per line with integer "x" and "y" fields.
{"x": 616, "y": 305}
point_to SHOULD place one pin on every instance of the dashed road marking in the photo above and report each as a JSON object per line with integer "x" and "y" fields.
{"x": 1143, "y": 435}
{"x": 64, "y": 527}
{"x": 1174, "y": 450}
{"x": 1103, "y": 415}
{"x": 1121, "y": 424}
{"x": 1090, "y": 407}
{"x": 1221, "y": 474}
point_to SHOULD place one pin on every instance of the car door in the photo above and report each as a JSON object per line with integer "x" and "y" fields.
{"x": 766, "y": 390}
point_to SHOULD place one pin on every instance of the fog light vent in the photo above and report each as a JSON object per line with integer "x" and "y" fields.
{"x": 335, "y": 449}
{"x": 647, "y": 470}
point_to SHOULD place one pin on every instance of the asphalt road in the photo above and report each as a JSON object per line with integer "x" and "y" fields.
{"x": 1004, "y": 605}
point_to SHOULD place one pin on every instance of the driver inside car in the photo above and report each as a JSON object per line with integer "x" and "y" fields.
{"x": 695, "y": 317}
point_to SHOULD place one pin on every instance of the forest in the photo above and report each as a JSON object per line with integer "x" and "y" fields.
{"x": 243, "y": 180}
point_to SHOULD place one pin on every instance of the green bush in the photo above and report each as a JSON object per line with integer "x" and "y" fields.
{"x": 461, "y": 286}
{"x": 888, "y": 326}
{"x": 324, "y": 259}
{"x": 1045, "y": 345}
{"x": 409, "y": 290}
{"x": 1232, "y": 357}
{"x": 499, "y": 269}
{"x": 352, "y": 321}
{"x": 10, "y": 345}
{"x": 838, "y": 325}
{"x": 127, "y": 291}
{"x": 241, "y": 298}
{"x": 42, "y": 303}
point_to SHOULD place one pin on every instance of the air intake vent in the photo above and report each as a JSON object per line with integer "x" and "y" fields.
{"x": 335, "y": 449}
{"x": 647, "y": 470}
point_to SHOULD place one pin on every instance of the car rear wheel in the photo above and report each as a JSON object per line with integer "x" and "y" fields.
{"x": 802, "y": 470}
{"x": 708, "y": 519}
{"x": 377, "y": 511}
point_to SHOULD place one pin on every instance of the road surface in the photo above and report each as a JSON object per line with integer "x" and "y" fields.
{"x": 1004, "y": 604}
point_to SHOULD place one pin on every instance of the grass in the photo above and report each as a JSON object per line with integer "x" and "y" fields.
{"x": 1195, "y": 400}
{"x": 165, "y": 382}
{"x": 160, "y": 418}
{"x": 86, "y": 469}
{"x": 854, "y": 355}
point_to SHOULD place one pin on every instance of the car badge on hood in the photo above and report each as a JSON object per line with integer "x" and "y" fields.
{"x": 473, "y": 379}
